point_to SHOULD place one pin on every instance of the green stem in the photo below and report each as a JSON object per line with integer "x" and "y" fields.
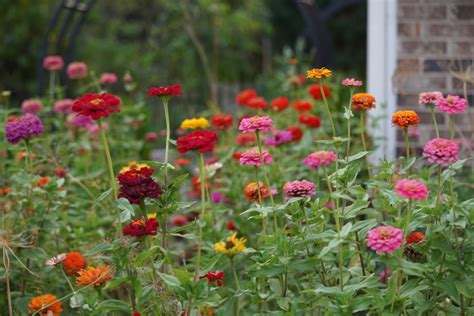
{"x": 453, "y": 126}
{"x": 407, "y": 143}
{"x": 168, "y": 132}
{"x": 349, "y": 125}
{"x": 435, "y": 123}
{"x": 364, "y": 143}
{"x": 147, "y": 239}
{"x": 52, "y": 85}
{"x": 28, "y": 157}
{"x": 201, "y": 217}
{"x": 260, "y": 199}
{"x": 237, "y": 284}
{"x": 327, "y": 108}
{"x": 68, "y": 281}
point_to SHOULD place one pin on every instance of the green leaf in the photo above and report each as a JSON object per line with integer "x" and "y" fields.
{"x": 77, "y": 300}
{"x": 357, "y": 156}
{"x": 345, "y": 230}
{"x": 332, "y": 244}
{"x": 102, "y": 197}
{"x": 171, "y": 280}
{"x": 113, "y": 305}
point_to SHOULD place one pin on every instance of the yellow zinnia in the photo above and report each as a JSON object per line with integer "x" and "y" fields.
{"x": 133, "y": 165}
{"x": 318, "y": 73}
{"x": 194, "y": 123}
{"x": 231, "y": 246}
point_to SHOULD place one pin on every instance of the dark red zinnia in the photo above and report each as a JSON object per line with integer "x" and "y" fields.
{"x": 296, "y": 133}
{"x": 214, "y": 276}
{"x": 244, "y": 96}
{"x": 280, "y": 103}
{"x": 310, "y": 120}
{"x": 137, "y": 184}
{"x": 169, "y": 91}
{"x": 315, "y": 91}
{"x": 141, "y": 227}
{"x": 199, "y": 140}
{"x": 221, "y": 121}
{"x": 96, "y": 105}
{"x": 230, "y": 225}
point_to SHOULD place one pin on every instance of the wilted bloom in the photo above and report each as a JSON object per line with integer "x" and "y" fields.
{"x": 76, "y": 70}
{"x": 278, "y": 138}
{"x": 244, "y": 96}
{"x": 108, "y": 78}
{"x": 452, "y": 104}
{"x": 405, "y": 119}
{"x": 94, "y": 276}
{"x": 315, "y": 91}
{"x": 245, "y": 139}
{"x": 256, "y": 123}
{"x": 363, "y": 101}
{"x": 280, "y": 103}
{"x": 385, "y": 275}
{"x": 179, "y": 220}
{"x": 351, "y": 82}
{"x": 201, "y": 141}
{"x": 63, "y": 106}
{"x": 441, "y": 151}
{"x": 151, "y": 137}
{"x": 411, "y": 189}
{"x": 296, "y": 133}
{"x": 140, "y": 227}
{"x": 257, "y": 103}
{"x": 384, "y": 239}
{"x": 251, "y": 191}
{"x": 56, "y": 260}
{"x": 53, "y": 63}
{"x": 320, "y": 158}
{"x": 73, "y": 262}
{"x": 252, "y": 158}
{"x": 221, "y": 121}
{"x": 96, "y": 105}
{"x": 231, "y": 246}
{"x": 430, "y": 98}
{"x": 23, "y": 128}
{"x": 32, "y": 106}
{"x": 133, "y": 165}
{"x": 318, "y": 73}
{"x": 409, "y": 251}
{"x": 214, "y": 276}
{"x": 303, "y": 106}
{"x": 230, "y": 225}
{"x": 137, "y": 184}
{"x": 45, "y": 305}
{"x": 194, "y": 123}
{"x": 169, "y": 91}
{"x": 303, "y": 188}
{"x": 312, "y": 121}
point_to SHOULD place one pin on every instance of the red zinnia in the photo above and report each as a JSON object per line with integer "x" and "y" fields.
{"x": 236, "y": 155}
{"x": 141, "y": 227}
{"x": 230, "y": 225}
{"x": 73, "y": 263}
{"x": 182, "y": 162}
{"x": 315, "y": 91}
{"x": 199, "y": 140}
{"x": 179, "y": 220}
{"x": 96, "y": 105}
{"x": 303, "y": 106}
{"x": 415, "y": 238}
{"x": 312, "y": 121}
{"x": 214, "y": 276}
{"x": 296, "y": 133}
{"x": 244, "y": 96}
{"x": 169, "y": 91}
{"x": 279, "y": 104}
{"x": 137, "y": 184}
{"x": 221, "y": 121}
{"x": 60, "y": 172}
{"x": 245, "y": 139}
{"x": 257, "y": 103}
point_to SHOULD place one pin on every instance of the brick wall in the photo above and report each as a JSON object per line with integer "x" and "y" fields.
{"x": 435, "y": 49}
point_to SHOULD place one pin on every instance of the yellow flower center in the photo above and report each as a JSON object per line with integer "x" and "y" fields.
{"x": 97, "y": 101}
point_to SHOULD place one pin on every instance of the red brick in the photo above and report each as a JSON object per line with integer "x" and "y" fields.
{"x": 463, "y": 12}
{"x": 425, "y": 12}
{"x": 409, "y": 29}
{"x": 463, "y": 48}
{"x": 427, "y": 48}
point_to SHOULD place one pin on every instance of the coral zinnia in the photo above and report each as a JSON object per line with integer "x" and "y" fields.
{"x": 200, "y": 140}
{"x": 96, "y": 105}
{"x": 245, "y": 139}
{"x": 252, "y": 158}
{"x": 363, "y": 101}
{"x": 76, "y": 70}
{"x": 452, "y": 104}
{"x": 441, "y": 151}
{"x": 351, "y": 82}
{"x": 429, "y": 98}
{"x": 251, "y": 191}
{"x": 193, "y": 123}
{"x": 303, "y": 188}
{"x": 137, "y": 184}
{"x": 384, "y": 238}
{"x": 94, "y": 276}
{"x": 320, "y": 158}
{"x": 296, "y": 133}
{"x": 315, "y": 91}
{"x": 169, "y": 91}
{"x": 38, "y": 305}
{"x": 53, "y": 63}
{"x": 256, "y": 123}
{"x": 32, "y": 106}
{"x": 221, "y": 121}
{"x": 406, "y": 118}
{"x": 73, "y": 262}
{"x": 318, "y": 73}
{"x": 244, "y": 96}
{"x": 214, "y": 276}
{"x": 411, "y": 189}
{"x": 141, "y": 227}
{"x": 23, "y": 128}
{"x": 280, "y": 103}
{"x": 302, "y": 106}
{"x": 231, "y": 246}
{"x": 312, "y": 121}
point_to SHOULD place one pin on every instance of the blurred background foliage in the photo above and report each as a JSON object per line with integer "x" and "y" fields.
{"x": 203, "y": 44}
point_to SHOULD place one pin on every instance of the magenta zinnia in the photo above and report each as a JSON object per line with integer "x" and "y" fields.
{"x": 23, "y": 127}
{"x": 411, "y": 189}
{"x": 384, "y": 239}
{"x": 441, "y": 151}
{"x": 256, "y": 123}
{"x": 252, "y": 158}
{"x": 137, "y": 184}
{"x": 303, "y": 188}
{"x": 452, "y": 104}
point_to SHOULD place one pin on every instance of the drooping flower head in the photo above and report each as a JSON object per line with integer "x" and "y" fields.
{"x": 53, "y": 63}
{"x": 231, "y": 246}
{"x": 214, "y": 276}
{"x": 411, "y": 189}
{"x": 140, "y": 227}
{"x": 56, "y": 260}
{"x": 244, "y": 96}
{"x": 320, "y": 158}
{"x": 165, "y": 92}
{"x": 73, "y": 262}
{"x": 452, "y": 104}
{"x": 32, "y": 106}
{"x": 137, "y": 184}
{"x": 429, "y": 98}
{"x": 351, "y": 82}
{"x": 303, "y": 188}
{"x": 318, "y": 73}
{"x": 251, "y": 191}
{"x": 45, "y": 305}
{"x": 303, "y": 106}
{"x": 23, "y": 128}
{"x": 296, "y": 133}
{"x": 280, "y": 103}
{"x": 96, "y": 105}
{"x": 384, "y": 239}
{"x": 363, "y": 101}
{"x": 257, "y": 103}
{"x": 279, "y": 138}
{"x": 245, "y": 139}
{"x": 409, "y": 251}
{"x": 63, "y": 106}
{"x": 404, "y": 119}
{"x": 310, "y": 120}
{"x": 252, "y": 158}
{"x": 315, "y": 91}
{"x": 221, "y": 121}
{"x": 201, "y": 141}
{"x": 256, "y": 123}
{"x": 94, "y": 276}
{"x": 76, "y": 70}
{"x": 108, "y": 78}
{"x": 194, "y": 123}
{"x": 441, "y": 151}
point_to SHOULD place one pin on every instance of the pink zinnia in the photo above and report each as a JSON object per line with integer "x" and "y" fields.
{"x": 320, "y": 158}
{"x": 430, "y": 98}
{"x": 256, "y": 123}
{"x": 411, "y": 189}
{"x": 32, "y": 106}
{"x": 303, "y": 188}
{"x": 76, "y": 70}
{"x": 384, "y": 239}
{"x": 63, "y": 106}
{"x": 351, "y": 82}
{"x": 53, "y": 63}
{"x": 108, "y": 78}
{"x": 151, "y": 137}
{"x": 252, "y": 158}
{"x": 441, "y": 151}
{"x": 452, "y": 104}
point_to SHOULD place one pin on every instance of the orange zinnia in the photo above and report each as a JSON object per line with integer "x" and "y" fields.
{"x": 363, "y": 101}
{"x": 42, "y": 182}
{"x": 251, "y": 191}
{"x": 318, "y": 73}
{"x": 94, "y": 276}
{"x": 46, "y": 304}
{"x": 405, "y": 119}
{"x": 73, "y": 263}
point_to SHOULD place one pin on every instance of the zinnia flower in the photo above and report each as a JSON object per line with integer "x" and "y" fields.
{"x": 96, "y": 105}
{"x": 244, "y": 96}
{"x": 23, "y": 128}
{"x": 78, "y": 120}
{"x": 151, "y": 137}
{"x": 245, "y": 139}
{"x": 32, "y": 106}
{"x": 429, "y": 98}
{"x": 137, "y": 184}
{"x": 363, "y": 101}
{"x": 42, "y": 182}
{"x": 256, "y": 123}
{"x": 279, "y": 104}
{"x": 318, "y": 73}
{"x": 94, "y": 276}
{"x": 452, "y": 104}
{"x": 296, "y": 133}
{"x": 252, "y": 158}
{"x": 194, "y": 123}
{"x": 384, "y": 239}
{"x": 315, "y": 91}
{"x": 303, "y": 188}
{"x": 257, "y": 103}
{"x": 405, "y": 119}
{"x": 53, "y": 63}
{"x": 312, "y": 121}
{"x": 38, "y": 305}
{"x": 320, "y": 158}
{"x": 251, "y": 191}
{"x": 230, "y": 225}
{"x": 169, "y": 91}
{"x": 76, "y": 70}
{"x": 56, "y": 260}
{"x": 73, "y": 262}
{"x": 108, "y": 78}
{"x": 133, "y": 165}
{"x": 303, "y": 106}
{"x": 298, "y": 80}
{"x": 415, "y": 238}
{"x": 351, "y": 82}
{"x": 179, "y": 220}
{"x": 221, "y": 121}
{"x": 141, "y": 227}
{"x": 279, "y": 138}
{"x": 214, "y": 276}
{"x": 231, "y": 246}
{"x": 63, "y": 106}
{"x": 411, "y": 189}
{"x": 409, "y": 251}
{"x": 441, "y": 151}
{"x": 201, "y": 141}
